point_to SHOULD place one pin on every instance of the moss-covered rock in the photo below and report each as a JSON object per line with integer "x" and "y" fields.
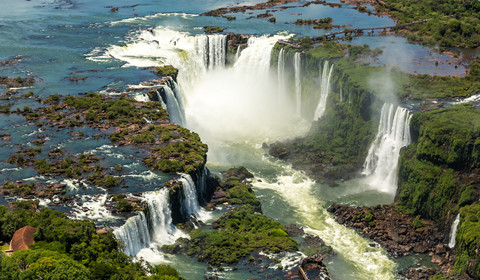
{"x": 212, "y": 29}
{"x": 468, "y": 242}
{"x": 437, "y": 173}
{"x": 166, "y": 70}
{"x": 236, "y": 234}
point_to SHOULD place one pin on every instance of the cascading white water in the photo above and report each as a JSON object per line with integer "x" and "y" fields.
{"x": 281, "y": 73}
{"x": 453, "y": 232}
{"x": 190, "y": 205}
{"x": 245, "y": 95}
{"x": 325, "y": 77}
{"x": 176, "y": 113}
{"x": 177, "y": 92}
{"x": 134, "y": 234}
{"x": 159, "y": 97}
{"x": 192, "y": 55}
{"x": 217, "y": 50}
{"x": 238, "y": 108}
{"x": 297, "y": 62}
{"x": 237, "y": 53}
{"x": 211, "y": 49}
{"x": 141, "y": 97}
{"x": 141, "y": 232}
{"x": 382, "y": 160}
{"x": 162, "y": 230}
{"x": 368, "y": 262}
{"x": 202, "y": 50}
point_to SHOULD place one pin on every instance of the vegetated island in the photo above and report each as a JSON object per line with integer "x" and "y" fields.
{"x": 451, "y": 23}
{"x": 323, "y": 23}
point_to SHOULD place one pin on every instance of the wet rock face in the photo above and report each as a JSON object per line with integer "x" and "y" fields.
{"x": 400, "y": 234}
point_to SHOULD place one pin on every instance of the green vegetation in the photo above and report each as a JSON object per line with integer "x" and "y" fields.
{"x": 67, "y": 249}
{"x": 323, "y": 23}
{"x": 236, "y": 234}
{"x": 468, "y": 242}
{"x": 100, "y": 179}
{"x": 167, "y": 70}
{"x": 328, "y": 50}
{"x": 417, "y": 222}
{"x": 23, "y": 190}
{"x": 335, "y": 146}
{"x": 453, "y": 23}
{"x": 185, "y": 155}
{"x": 430, "y": 170}
{"x": 212, "y": 29}
{"x": 238, "y": 190}
{"x": 5, "y": 108}
{"x": 127, "y": 205}
{"x": 97, "y": 107}
{"x": 173, "y": 148}
{"x": 239, "y": 232}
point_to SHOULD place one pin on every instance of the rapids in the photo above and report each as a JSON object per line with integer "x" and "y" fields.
{"x": 235, "y": 109}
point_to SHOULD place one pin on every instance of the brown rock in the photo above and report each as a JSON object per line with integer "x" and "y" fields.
{"x": 437, "y": 259}
{"x": 219, "y": 194}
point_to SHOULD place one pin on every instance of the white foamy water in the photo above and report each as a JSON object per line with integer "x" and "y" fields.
{"x": 240, "y": 106}
{"x": 296, "y": 188}
{"x": 297, "y": 63}
{"x": 382, "y": 160}
{"x": 453, "y": 232}
{"x": 95, "y": 208}
{"x": 326, "y": 75}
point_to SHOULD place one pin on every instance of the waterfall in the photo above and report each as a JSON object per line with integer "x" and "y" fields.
{"x": 297, "y": 60}
{"x": 141, "y": 232}
{"x": 217, "y": 49}
{"x": 257, "y": 54}
{"x": 382, "y": 159}
{"x": 134, "y": 234}
{"x": 202, "y": 184}
{"x": 201, "y": 48}
{"x": 281, "y": 72}
{"x": 190, "y": 205}
{"x": 211, "y": 49}
{"x": 326, "y": 74}
{"x": 162, "y": 230}
{"x": 175, "y": 111}
{"x": 453, "y": 231}
{"x": 177, "y": 92}
{"x": 248, "y": 84}
{"x": 237, "y": 53}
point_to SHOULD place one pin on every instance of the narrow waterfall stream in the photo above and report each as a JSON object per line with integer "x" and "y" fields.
{"x": 281, "y": 74}
{"x": 453, "y": 231}
{"x": 297, "y": 64}
{"x": 236, "y": 109}
{"x": 190, "y": 206}
{"x": 326, "y": 75}
{"x": 175, "y": 111}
